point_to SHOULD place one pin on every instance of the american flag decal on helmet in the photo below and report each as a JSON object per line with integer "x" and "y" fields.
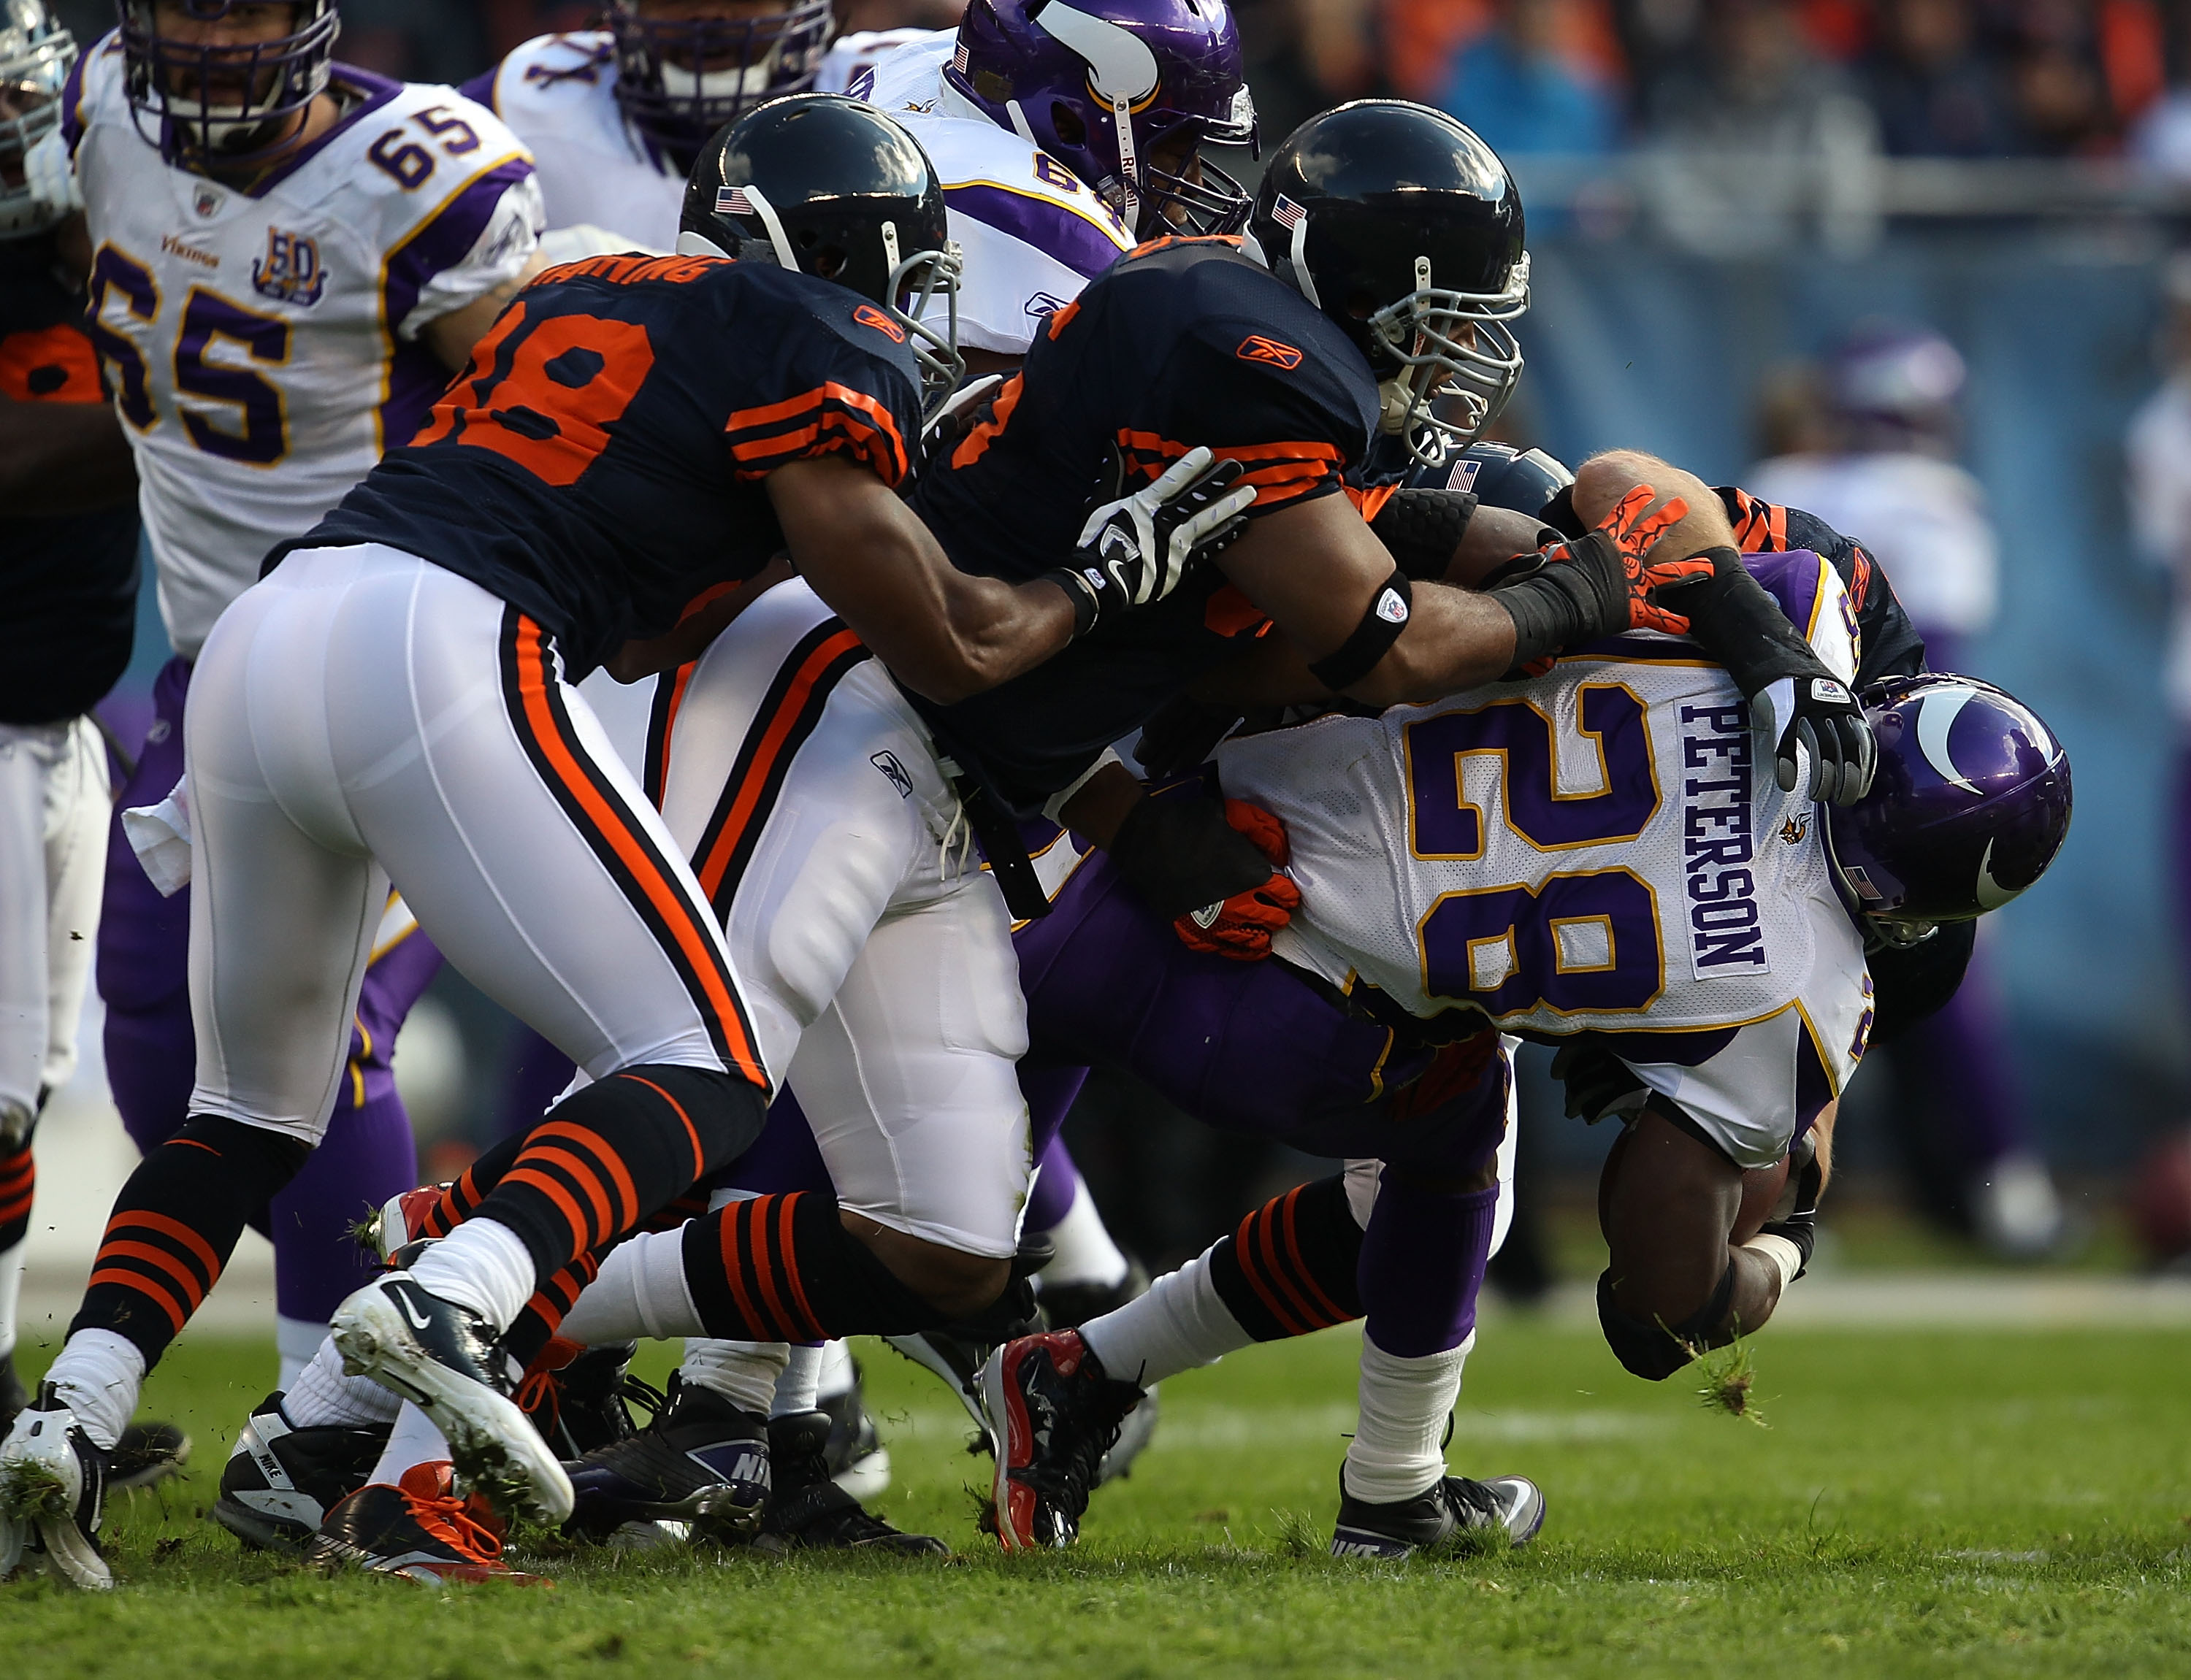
{"x": 732, "y": 201}
{"x": 1287, "y": 214}
{"x": 958, "y": 58}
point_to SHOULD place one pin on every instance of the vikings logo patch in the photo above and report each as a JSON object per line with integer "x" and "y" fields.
{"x": 290, "y": 271}
{"x": 1795, "y": 828}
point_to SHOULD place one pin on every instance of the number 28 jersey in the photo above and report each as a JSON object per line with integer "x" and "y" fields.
{"x": 1593, "y": 850}
{"x": 262, "y": 340}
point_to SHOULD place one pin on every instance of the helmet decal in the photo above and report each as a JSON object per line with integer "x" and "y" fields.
{"x": 1992, "y": 895}
{"x": 1120, "y": 65}
{"x": 1936, "y": 715}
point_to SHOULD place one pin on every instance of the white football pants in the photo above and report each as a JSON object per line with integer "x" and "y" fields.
{"x": 876, "y": 951}
{"x": 55, "y": 804}
{"x": 361, "y": 715}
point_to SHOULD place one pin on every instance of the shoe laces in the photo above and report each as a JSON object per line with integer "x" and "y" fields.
{"x": 637, "y": 1391}
{"x": 1473, "y": 1503}
{"x": 455, "y": 1522}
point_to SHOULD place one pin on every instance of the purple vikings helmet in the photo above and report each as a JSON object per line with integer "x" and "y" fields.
{"x": 1101, "y": 85}
{"x": 1969, "y": 806}
{"x": 35, "y": 56}
{"x": 680, "y": 79}
{"x": 1893, "y": 385}
{"x": 226, "y": 105}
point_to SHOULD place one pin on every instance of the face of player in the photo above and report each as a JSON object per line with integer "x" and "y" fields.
{"x": 732, "y": 58}
{"x": 17, "y": 99}
{"x": 228, "y": 83}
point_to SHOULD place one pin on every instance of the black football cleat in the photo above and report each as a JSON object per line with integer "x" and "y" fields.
{"x": 145, "y": 1453}
{"x": 1052, "y": 1414}
{"x": 858, "y": 1461}
{"x": 53, "y": 1495}
{"x": 1457, "y": 1514}
{"x": 578, "y": 1404}
{"x": 1067, "y": 1306}
{"x": 444, "y": 1360}
{"x": 14, "y": 1396}
{"x": 701, "y": 1460}
{"x": 281, "y": 1481}
{"x": 419, "y": 1529}
{"x": 955, "y": 1360}
{"x": 807, "y": 1510}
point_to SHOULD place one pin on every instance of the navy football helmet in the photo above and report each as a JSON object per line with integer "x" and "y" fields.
{"x": 35, "y": 56}
{"x": 1106, "y": 86}
{"x": 831, "y": 187}
{"x": 229, "y": 106}
{"x": 1406, "y": 230}
{"x": 680, "y": 79}
{"x": 1968, "y": 807}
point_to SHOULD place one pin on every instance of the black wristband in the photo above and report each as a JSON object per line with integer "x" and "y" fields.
{"x": 1080, "y": 592}
{"x": 1422, "y": 529}
{"x": 1548, "y": 608}
{"x": 1382, "y": 622}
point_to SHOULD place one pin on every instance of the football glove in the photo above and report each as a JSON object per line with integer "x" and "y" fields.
{"x": 1179, "y": 855}
{"x": 1240, "y": 926}
{"x": 1818, "y": 714}
{"x": 49, "y": 174}
{"x": 1134, "y": 550}
{"x": 1794, "y": 701}
{"x": 1599, "y": 585}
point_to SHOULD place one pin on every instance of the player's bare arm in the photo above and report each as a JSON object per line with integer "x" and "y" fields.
{"x": 62, "y": 457}
{"x": 452, "y": 336}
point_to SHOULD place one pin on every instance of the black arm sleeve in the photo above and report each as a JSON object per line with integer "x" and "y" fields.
{"x": 1423, "y": 529}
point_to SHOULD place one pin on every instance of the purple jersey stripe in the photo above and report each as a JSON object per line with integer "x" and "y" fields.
{"x": 72, "y": 89}
{"x": 1050, "y": 228}
{"x": 480, "y": 90}
{"x": 378, "y": 89}
{"x": 439, "y": 245}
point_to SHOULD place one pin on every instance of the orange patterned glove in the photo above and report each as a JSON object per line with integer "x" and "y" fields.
{"x": 1241, "y": 926}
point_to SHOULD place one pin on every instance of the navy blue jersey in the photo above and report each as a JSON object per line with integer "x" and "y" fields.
{"x": 1185, "y": 342}
{"x": 70, "y": 583}
{"x": 599, "y": 464}
{"x": 1887, "y": 642}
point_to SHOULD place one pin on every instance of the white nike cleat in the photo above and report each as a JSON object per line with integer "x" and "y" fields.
{"x": 53, "y": 1489}
{"x": 444, "y": 1360}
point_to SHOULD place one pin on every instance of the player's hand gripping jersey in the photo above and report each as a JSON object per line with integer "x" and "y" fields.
{"x": 263, "y": 342}
{"x": 600, "y": 464}
{"x": 1186, "y": 343}
{"x": 1591, "y": 850}
{"x": 1031, "y": 233}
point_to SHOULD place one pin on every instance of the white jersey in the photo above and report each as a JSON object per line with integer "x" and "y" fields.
{"x": 2159, "y": 452}
{"x": 263, "y": 344}
{"x": 1591, "y": 850}
{"x": 863, "y": 49}
{"x": 1924, "y": 519}
{"x": 1032, "y": 233}
{"x": 558, "y": 93}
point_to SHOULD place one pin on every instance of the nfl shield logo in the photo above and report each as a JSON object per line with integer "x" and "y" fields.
{"x": 208, "y": 201}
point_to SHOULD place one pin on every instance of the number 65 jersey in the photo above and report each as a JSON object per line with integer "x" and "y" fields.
{"x": 261, "y": 341}
{"x": 1593, "y": 850}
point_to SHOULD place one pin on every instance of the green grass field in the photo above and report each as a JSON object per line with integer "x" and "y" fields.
{"x": 1926, "y": 1504}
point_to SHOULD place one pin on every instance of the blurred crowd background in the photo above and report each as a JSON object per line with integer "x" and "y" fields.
{"x": 1930, "y": 241}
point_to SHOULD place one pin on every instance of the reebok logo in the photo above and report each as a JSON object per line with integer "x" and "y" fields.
{"x": 868, "y": 316}
{"x": 1256, "y": 347}
{"x": 894, "y": 773}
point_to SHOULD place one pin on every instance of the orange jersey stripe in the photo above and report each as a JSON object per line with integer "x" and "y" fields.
{"x": 167, "y": 1226}
{"x": 791, "y": 1269}
{"x": 735, "y": 1218}
{"x": 548, "y": 1186}
{"x": 1330, "y": 1312}
{"x": 691, "y": 1132}
{"x": 159, "y": 1259}
{"x": 582, "y": 1173}
{"x": 1244, "y": 1250}
{"x": 143, "y": 1286}
{"x": 604, "y": 1158}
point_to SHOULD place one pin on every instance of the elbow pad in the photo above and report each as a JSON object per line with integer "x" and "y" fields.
{"x": 1421, "y": 529}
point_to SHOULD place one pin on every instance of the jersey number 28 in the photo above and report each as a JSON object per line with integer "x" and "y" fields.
{"x": 1579, "y": 942}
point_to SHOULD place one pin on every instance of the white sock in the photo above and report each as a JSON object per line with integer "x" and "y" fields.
{"x": 799, "y": 1388}
{"x": 1085, "y": 1253}
{"x": 641, "y": 1292}
{"x": 1395, "y": 1453}
{"x": 11, "y": 1293}
{"x": 836, "y": 1374}
{"x": 413, "y": 1441}
{"x": 1179, "y": 1325}
{"x": 483, "y": 1265}
{"x": 322, "y": 1397}
{"x": 297, "y": 1340}
{"x": 98, "y": 1376}
{"x": 744, "y": 1373}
